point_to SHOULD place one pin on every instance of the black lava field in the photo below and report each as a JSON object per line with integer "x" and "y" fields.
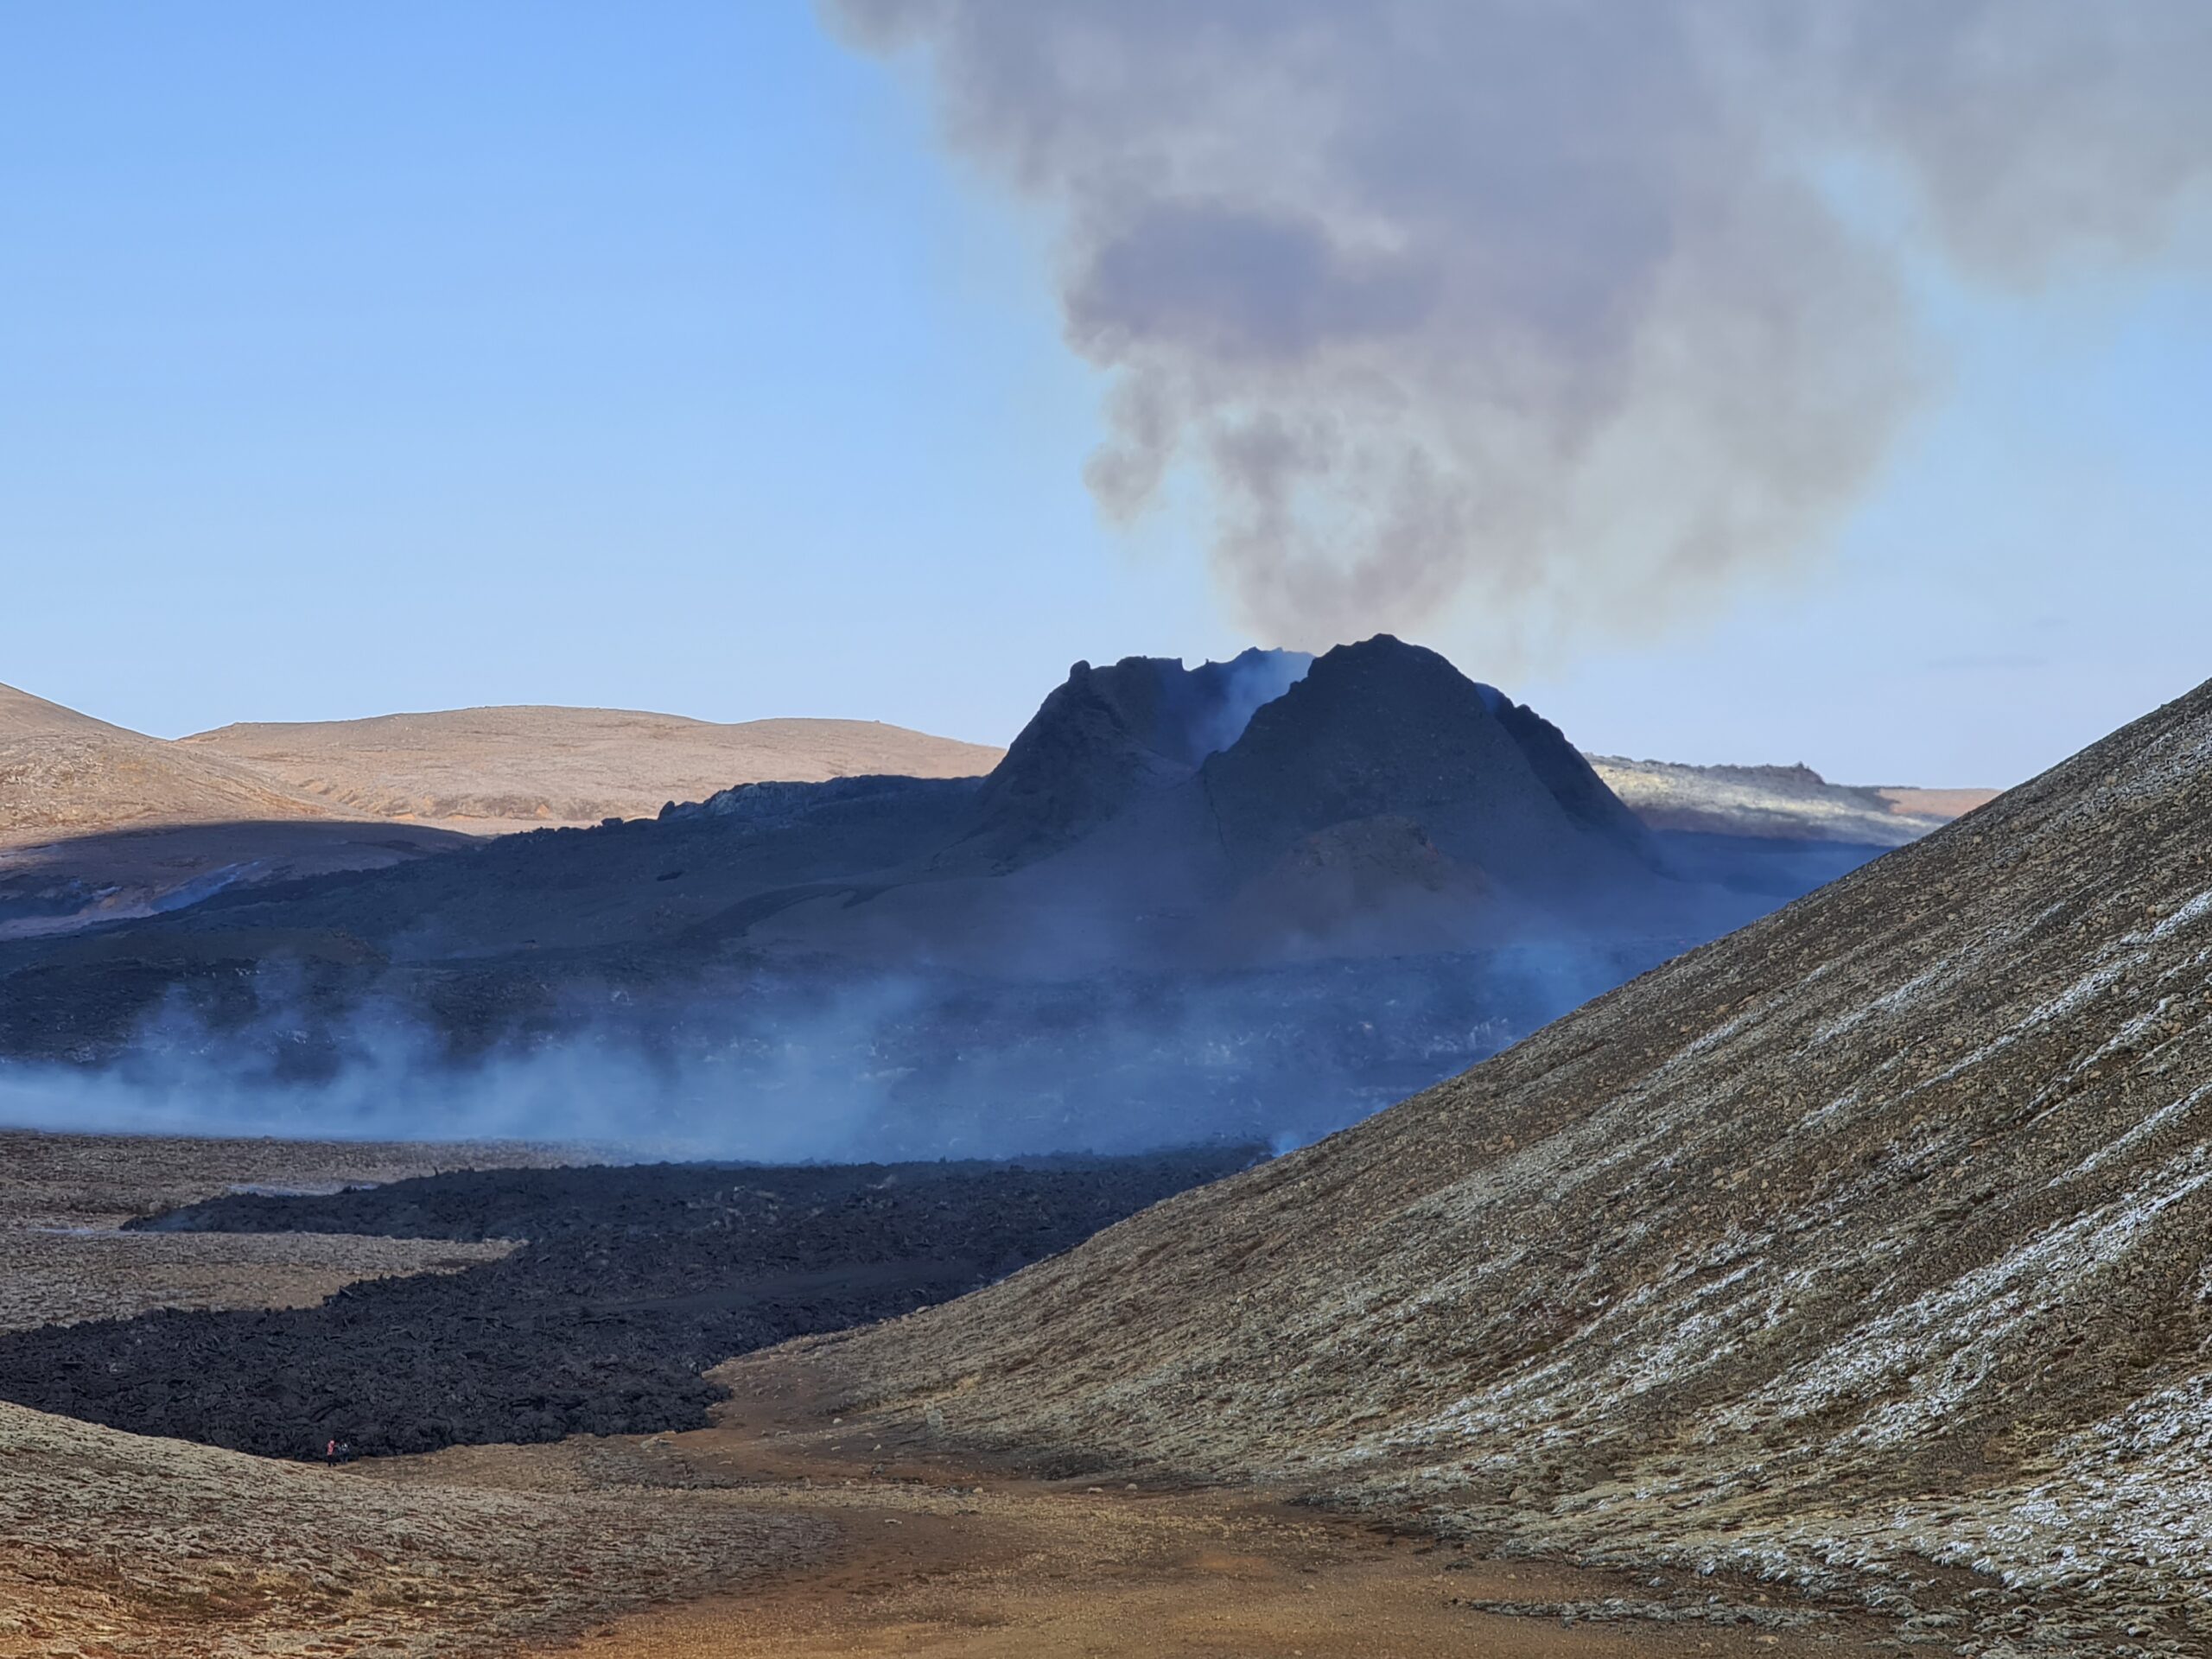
{"x": 635, "y": 1280}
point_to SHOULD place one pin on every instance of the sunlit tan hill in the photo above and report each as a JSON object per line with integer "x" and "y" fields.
{"x": 504, "y": 768}
{"x": 64, "y": 774}
{"x": 101, "y": 823}
{"x": 1945, "y": 804}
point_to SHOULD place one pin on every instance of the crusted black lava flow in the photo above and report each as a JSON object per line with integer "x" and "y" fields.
{"x": 636, "y": 1280}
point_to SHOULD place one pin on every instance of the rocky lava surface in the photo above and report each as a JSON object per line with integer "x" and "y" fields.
{"x": 635, "y": 1280}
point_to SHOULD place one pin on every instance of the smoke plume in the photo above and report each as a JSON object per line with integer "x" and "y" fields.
{"x": 1547, "y": 314}
{"x": 884, "y": 1065}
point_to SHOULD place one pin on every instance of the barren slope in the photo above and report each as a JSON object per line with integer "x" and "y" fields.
{"x": 64, "y": 774}
{"x": 1864, "y": 1245}
{"x": 98, "y": 824}
{"x": 503, "y": 767}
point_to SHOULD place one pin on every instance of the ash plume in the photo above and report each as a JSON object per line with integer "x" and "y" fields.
{"x": 1547, "y": 317}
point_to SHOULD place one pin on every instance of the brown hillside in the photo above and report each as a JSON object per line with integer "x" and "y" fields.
{"x": 522, "y": 766}
{"x": 1866, "y": 1248}
{"x": 64, "y": 774}
{"x": 98, "y": 824}
{"x": 119, "y": 1544}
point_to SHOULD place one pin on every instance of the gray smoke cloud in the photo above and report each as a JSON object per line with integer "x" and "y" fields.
{"x": 1545, "y": 315}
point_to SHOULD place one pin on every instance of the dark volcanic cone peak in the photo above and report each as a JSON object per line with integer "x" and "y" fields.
{"x": 1872, "y": 1238}
{"x": 1109, "y": 735}
{"x": 1384, "y": 728}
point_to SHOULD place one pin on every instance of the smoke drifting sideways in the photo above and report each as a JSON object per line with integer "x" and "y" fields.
{"x": 886, "y": 1067}
{"x": 1548, "y": 314}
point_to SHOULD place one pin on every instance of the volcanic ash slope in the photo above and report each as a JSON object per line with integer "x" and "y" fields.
{"x": 1868, "y": 1241}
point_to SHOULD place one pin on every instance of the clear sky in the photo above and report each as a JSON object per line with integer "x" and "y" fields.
{"x": 360, "y": 357}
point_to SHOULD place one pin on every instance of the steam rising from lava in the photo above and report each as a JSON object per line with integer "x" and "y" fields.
{"x": 1552, "y": 312}
{"x": 886, "y": 1065}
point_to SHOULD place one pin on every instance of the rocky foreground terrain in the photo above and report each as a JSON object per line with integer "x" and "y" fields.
{"x": 63, "y": 1200}
{"x": 1864, "y": 1251}
{"x": 633, "y": 1280}
{"x": 115, "y": 1544}
{"x": 783, "y": 1530}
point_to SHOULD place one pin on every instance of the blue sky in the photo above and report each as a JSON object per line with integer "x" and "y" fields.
{"x": 363, "y": 358}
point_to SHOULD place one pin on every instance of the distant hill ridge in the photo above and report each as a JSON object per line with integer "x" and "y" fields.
{"x": 98, "y": 822}
{"x": 524, "y": 764}
{"x": 517, "y": 766}
{"x": 66, "y": 773}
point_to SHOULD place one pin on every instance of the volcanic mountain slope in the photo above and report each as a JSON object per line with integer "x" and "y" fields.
{"x": 1864, "y": 1245}
{"x": 1108, "y": 808}
{"x": 1108, "y": 735}
{"x": 1388, "y": 871}
{"x": 504, "y": 768}
{"x": 1384, "y": 729}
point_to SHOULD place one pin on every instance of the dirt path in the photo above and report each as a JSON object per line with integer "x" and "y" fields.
{"x": 1039, "y": 1575}
{"x": 941, "y": 1558}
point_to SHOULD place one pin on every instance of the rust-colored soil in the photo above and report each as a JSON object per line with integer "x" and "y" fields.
{"x": 935, "y": 1556}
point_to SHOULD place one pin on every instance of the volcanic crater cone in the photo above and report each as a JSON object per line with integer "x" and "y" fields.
{"x": 1384, "y": 729}
{"x": 1866, "y": 1248}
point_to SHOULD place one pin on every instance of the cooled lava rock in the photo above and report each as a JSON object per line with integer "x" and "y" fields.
{"x": 636, "y": 1280}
